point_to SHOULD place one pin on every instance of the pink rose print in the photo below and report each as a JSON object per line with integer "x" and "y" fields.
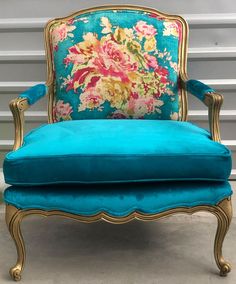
{"x": 151, "y": 60}
{"x": 62, "y": 111}
{"x": 60, "y": 33}
{"x": 145, "y": 30}
{"x": 90, "y": 99}
{"x": 118, "y": 115}
{"x": 120, "y": 69}
{"x": 112, "y": 61}
{"x": 171, "y": 28}
{"x": 140, "y": 106}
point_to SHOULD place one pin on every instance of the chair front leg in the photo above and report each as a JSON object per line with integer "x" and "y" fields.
{"x": 13, "y": 220}
{"x": 224, "y": 216}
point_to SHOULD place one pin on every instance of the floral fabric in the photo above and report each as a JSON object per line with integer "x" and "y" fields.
{"x": 116, "y": 64}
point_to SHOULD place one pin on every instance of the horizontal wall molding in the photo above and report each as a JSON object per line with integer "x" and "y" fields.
{"x": 230, "y": 143}
{"x": 6, "y": 144}
{"x": 211, "y": 53}
{"x": 203, "y": 115}
{"x": 225, "y": 115}
{"x": 13, "y": 86}
{"x": 211, "y": 20}
{"x": 194, "y": 20}
{"x": 219, "y": 84}
{"x": 40, "y": 116}
{"x": 24, "y": 55}
{"x": 23, "y": 23}
{"x": 193, "y": 53}
{"x": 233, "y": 174}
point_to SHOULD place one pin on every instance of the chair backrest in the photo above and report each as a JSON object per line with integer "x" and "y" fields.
{"x": 116, "y": 62}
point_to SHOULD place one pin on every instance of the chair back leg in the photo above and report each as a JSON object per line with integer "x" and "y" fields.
{"x": 224, "y": 216}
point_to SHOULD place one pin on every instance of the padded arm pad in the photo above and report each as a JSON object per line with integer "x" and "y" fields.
{"x": 198, "y": 89}
{"x": 34, "y": 93}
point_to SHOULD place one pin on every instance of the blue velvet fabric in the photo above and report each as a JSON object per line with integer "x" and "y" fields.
{"x": 34, "y": 93}
{"x": 198, "y": 89}
{"x": 101, "y": 151}
{"x": 117, "y": 199}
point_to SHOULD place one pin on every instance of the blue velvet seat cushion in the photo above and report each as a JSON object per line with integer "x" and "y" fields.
{"x": 103, "y": 151}
{"x": 118, "y": 199}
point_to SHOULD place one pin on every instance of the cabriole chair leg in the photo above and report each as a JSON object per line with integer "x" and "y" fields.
{"x": 223, "y": 212}
{"x": 13, "y": 220}
{"x": 224, "y": 216}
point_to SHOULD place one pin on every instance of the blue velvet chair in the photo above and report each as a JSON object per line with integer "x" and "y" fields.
{"x": 117, "y": 146}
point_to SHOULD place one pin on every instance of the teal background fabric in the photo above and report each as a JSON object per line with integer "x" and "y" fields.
{"x": 96, "y": 80}
{"x": 117, "y": 199}
{"x": 109, "y": 150}
{"x": 34, "y": 93}
{"x": 198, "y": 89}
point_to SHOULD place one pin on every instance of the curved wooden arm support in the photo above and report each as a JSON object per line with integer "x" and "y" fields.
{"x": 22, "y": 103}
{"x": 17, "y": 107}
{"x": 214, "y": 102}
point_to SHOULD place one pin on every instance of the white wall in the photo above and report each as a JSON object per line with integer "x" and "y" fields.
{"x": 212, "y": 54}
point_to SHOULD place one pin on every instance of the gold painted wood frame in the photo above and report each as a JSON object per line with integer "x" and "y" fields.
{"x": 182, "y": 53}
{"x": 223, "y": 212}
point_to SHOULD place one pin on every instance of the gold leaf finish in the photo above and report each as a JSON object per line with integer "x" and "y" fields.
{"x": 13, "y": 220}
{"x": 214, "y": 102}
{"x": 17, "y": 107}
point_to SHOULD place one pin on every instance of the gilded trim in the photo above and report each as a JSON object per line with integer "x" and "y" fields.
{"x": 17, "y": 107}
{"x": 214, "y": 102}
{"x": 183, "y": 106}
{"x": 223, "y": 212}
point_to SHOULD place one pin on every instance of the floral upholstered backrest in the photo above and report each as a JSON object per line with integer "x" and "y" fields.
{"x": 119, "y": 62}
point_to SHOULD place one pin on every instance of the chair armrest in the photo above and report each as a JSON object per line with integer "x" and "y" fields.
{"x": 198, "y": 89}
{"x": 22, "y": 103}
{"x": 34, "y": 93}
{"x": 211, "y": 99}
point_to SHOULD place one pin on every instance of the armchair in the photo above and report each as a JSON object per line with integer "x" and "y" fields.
{"x": 117, "y": 146}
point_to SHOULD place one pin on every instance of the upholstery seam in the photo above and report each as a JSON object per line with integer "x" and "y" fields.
{"x": 114, "y": 155}
{"x": 196, "y": 203}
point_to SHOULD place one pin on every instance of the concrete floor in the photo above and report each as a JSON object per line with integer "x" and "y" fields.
{"x": 175, "y": 250}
